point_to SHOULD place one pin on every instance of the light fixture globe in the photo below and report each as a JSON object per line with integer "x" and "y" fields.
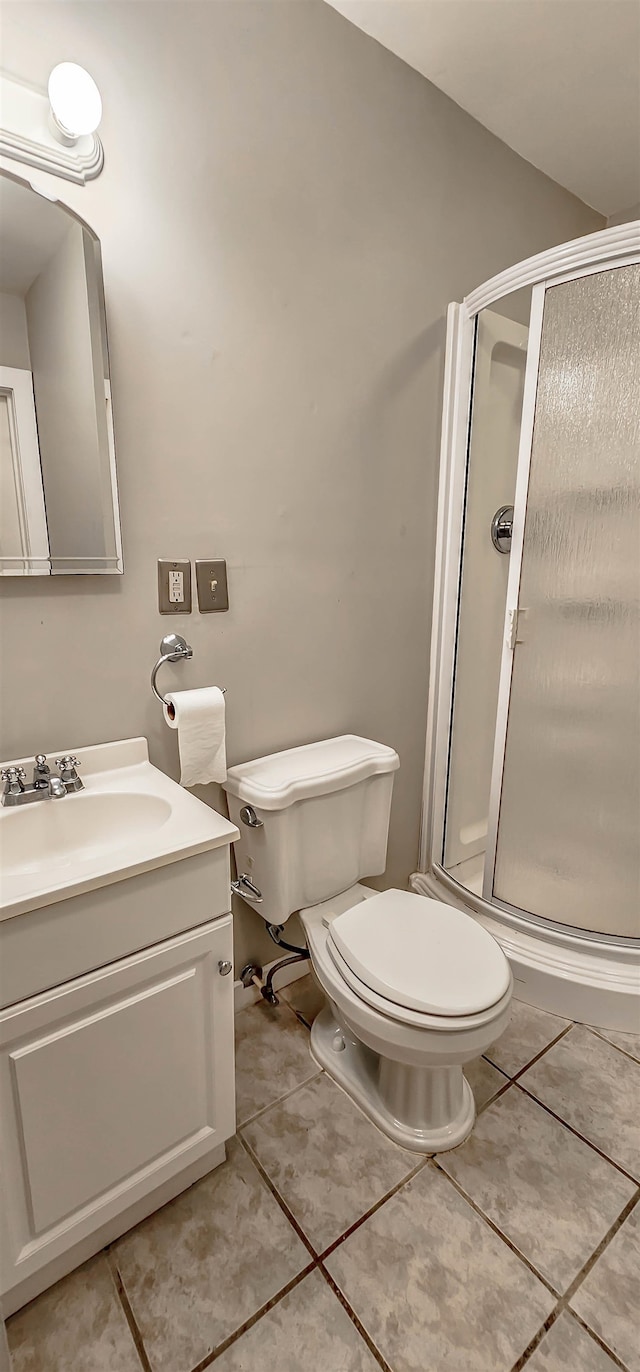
{"x": 76, "y": 104}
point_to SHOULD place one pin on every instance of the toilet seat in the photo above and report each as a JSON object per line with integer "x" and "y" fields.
{"x": 411, "y": 957}
{"x": 413, "y": 1019}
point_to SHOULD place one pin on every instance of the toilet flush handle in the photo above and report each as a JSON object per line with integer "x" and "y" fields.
{"x": 249, "y": 816}
{"x": 245, "y": 887}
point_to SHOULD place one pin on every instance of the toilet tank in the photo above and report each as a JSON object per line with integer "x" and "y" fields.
{"x": 323, "y": 821}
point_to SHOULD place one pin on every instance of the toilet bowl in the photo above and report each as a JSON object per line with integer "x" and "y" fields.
{"x": 401, "y": 1059}
{"x": 415, "y": 988}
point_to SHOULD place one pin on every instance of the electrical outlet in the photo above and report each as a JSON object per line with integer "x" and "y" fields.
{"x": 174, "y": 587}
{"x": 211, "y": 580}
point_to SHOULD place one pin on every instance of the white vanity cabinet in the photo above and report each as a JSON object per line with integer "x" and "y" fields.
{"x": 116, "y": 1019}
{"x": 110, "y": 1087}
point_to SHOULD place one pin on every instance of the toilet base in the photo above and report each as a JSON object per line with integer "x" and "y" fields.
{"x": 424, "y": 1109}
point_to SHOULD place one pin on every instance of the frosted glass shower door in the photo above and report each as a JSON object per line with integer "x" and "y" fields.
{"x": 566, "y": 791}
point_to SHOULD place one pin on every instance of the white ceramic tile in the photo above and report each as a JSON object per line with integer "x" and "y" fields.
{"x": 567, "y": 1347}
{"x": 308, "y": 1329}
{"x": 199, "y": 1268}
{"x": 272, "y": 1056}
{"x": 78, "y": 1325}
{"x": 551, "y": 1195}
{"x": 435, "y": 1288}
{"x": 327, "y": 1160}
{"x": 596, "y": 1089}
{"x": 529, "y": 1032}
{"x": 609, "y": 1298}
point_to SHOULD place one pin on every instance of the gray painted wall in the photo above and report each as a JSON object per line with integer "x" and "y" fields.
{"x": 14, "y": 339}
{"x": 285, "y": 211}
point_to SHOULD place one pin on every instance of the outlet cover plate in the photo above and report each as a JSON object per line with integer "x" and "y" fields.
{"x": 167, "y": 606}
{"x": 211, "y": 580}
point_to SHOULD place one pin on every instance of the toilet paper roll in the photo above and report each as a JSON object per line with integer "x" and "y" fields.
{"x": 199, "y": 719}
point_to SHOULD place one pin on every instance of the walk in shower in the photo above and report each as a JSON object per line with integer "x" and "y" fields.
{"x": 532, "y": 784}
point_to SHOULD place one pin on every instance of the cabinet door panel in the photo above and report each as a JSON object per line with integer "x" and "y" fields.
{"x": 110, "y": 1085}
{"x": 133, "y": 1080}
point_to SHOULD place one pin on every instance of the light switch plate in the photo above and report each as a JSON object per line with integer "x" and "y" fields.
{"x": 211, "y": 580}
{"x": 174, "y": 587}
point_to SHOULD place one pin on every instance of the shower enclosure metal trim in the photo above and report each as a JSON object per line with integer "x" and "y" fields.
{"x": 619, "y": 246}
{"x": 515, "y": 565}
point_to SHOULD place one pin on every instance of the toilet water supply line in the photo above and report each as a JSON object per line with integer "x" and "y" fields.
{"x": 265, "y": 986}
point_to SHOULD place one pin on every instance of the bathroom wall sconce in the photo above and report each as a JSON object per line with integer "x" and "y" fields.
{"x": 53, "y": 131}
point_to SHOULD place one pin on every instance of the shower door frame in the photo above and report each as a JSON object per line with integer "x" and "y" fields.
{"x": 615, "y": 247}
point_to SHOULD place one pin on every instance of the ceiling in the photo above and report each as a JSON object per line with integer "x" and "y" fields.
{"x": 557, "y": 80}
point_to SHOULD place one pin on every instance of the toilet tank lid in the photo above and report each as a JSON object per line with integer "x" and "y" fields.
{"x": 276, "y": 781}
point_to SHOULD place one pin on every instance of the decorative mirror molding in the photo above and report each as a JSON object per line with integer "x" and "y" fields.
{"x": 26, "y": 135}
{"x": 58, "y": 488}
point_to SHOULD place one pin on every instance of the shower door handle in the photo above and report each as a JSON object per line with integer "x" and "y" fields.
{"x": 502, "y": 529}
{"x": 516, "y": 622}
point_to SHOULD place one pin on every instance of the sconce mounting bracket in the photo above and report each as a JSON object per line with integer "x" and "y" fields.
{"x": 25, "y": 135}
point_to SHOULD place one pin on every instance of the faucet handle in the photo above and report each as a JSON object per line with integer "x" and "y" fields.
{"x": 14, "y": 777}
{"x": 68, "y": 775}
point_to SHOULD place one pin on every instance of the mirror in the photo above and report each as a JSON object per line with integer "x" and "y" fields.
{"x": 58, "y": 493}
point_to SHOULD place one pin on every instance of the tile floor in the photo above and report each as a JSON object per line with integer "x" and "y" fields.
{"x": 320, "y": 1246}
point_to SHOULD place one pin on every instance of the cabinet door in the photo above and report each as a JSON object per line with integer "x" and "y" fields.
{"x": 109, "y": 1086}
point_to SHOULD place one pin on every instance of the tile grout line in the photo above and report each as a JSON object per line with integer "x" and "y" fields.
{"x": 597, "y": 1338}
{"x": 278, "y": 1198}
{"x": 601, "y": 1034}
{"x": 502, "y": 1091}
{"x": 263, "y": 1109}
{"x": 604, "y": 1244}
{"x": 298, "y": 1013}
{"x": 498, "y": 1232}
{"x": 576, "y": 1133}
{"x": 254, "y": 1319}
{"x": 316, "y": 1263}
{"x": 326, "y": 1252}
{"x": 537, "y": 1339}
{"x": 562, "y": 1297}
{"x": 364, "y": 1334}
{"x": 563, "y": 1301}
{"x": 290, "y": 1006}
{"x": 536, "y": 1057}
{"x": 561, "y": 1309}
{"x": 373, "y": 1209}
{"x": 128, "y": 1311}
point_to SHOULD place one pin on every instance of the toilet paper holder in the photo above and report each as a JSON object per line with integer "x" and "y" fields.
{"x": 173, "y": 648}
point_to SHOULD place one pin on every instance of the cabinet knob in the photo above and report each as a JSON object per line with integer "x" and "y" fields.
{"x": 224, "y": 967}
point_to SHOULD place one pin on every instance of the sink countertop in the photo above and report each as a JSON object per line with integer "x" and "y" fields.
{"x": 173, "y": 825}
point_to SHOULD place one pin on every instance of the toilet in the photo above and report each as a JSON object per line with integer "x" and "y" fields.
{"x": 415, "y": 988}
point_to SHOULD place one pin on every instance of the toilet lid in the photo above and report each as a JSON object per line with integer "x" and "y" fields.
{"x": 421, "y": 954}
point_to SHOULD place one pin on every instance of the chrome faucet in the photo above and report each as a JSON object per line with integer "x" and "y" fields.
{"x": 41, "y": 773}
{"x": 44, "y": 786}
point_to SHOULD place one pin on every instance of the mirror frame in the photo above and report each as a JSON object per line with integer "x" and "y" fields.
{"x": 107, "y": 564}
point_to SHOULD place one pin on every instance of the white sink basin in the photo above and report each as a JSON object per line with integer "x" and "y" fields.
{"x": 85, "y": 825}
{"x": 129, "y": 818}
